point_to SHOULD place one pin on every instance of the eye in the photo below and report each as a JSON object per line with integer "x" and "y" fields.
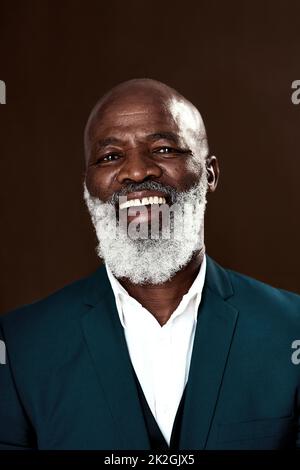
{"x": 164, "y": 150}
{"x": 110, "y": 157}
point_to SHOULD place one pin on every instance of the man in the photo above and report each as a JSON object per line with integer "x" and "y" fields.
{"x": 161, "y": 347}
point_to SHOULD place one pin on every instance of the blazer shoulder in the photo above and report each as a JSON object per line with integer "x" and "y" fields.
{"x": 62, "y": 305}
{"x": 256, "y": 292}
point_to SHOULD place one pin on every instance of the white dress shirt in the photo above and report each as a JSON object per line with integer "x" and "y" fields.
{"x": 160, "y": 355}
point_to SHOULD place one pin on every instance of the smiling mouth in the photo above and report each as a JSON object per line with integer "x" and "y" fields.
{"x": 145, "y": 201}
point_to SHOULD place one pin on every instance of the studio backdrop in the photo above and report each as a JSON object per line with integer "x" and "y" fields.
{"x": 238, "y": 62}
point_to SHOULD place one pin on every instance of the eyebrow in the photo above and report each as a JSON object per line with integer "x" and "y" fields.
{"x": 163, "y": 135}
{"x": 108, "y": 141}
{"x": 102, "y": 143}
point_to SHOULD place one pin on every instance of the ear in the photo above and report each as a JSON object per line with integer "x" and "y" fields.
{"x": 213, "y": 172}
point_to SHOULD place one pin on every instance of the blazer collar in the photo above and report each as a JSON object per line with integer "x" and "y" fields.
{"x": 216, "y": 279}
{"x": 216, "y": 324}
{"x": 105, "y": 339}
{"x": 106, "y": 344}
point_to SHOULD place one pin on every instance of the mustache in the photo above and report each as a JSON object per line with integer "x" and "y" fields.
{"x": 169, "y": 191}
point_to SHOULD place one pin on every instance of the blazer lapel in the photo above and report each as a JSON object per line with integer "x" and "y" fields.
{"x": 214, "y": 332}
{"x": 107, "y": 345}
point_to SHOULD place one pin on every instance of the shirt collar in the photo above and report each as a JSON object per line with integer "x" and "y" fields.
{"x": 195, "y": 290}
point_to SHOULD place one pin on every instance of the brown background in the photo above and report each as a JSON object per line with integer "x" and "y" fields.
{"x": 235, "y": 60}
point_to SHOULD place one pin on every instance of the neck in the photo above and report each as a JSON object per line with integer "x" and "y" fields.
{"x": 161, "y": 300}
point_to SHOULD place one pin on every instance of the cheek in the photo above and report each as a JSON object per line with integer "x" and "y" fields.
{"x": 98, "y": 183}
{"x": 185, "y": 174}
{"x": 194, "y": 166}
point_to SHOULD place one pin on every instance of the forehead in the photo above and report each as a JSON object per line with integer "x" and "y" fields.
{"x": 138, "y": 115}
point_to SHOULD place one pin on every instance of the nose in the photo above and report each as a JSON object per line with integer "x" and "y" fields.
{"x": 138, "y": 166}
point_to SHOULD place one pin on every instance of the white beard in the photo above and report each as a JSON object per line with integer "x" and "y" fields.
{"x": 150, "y": 261}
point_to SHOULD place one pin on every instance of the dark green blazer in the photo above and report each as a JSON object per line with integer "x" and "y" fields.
{"x": 68, "y": 381}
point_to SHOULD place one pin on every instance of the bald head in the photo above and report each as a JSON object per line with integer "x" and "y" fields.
{"x": 143, "y": 139}
{"x": 137, "y": 96}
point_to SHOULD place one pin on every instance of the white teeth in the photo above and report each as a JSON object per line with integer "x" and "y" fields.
{"x": 143, "y": 202}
